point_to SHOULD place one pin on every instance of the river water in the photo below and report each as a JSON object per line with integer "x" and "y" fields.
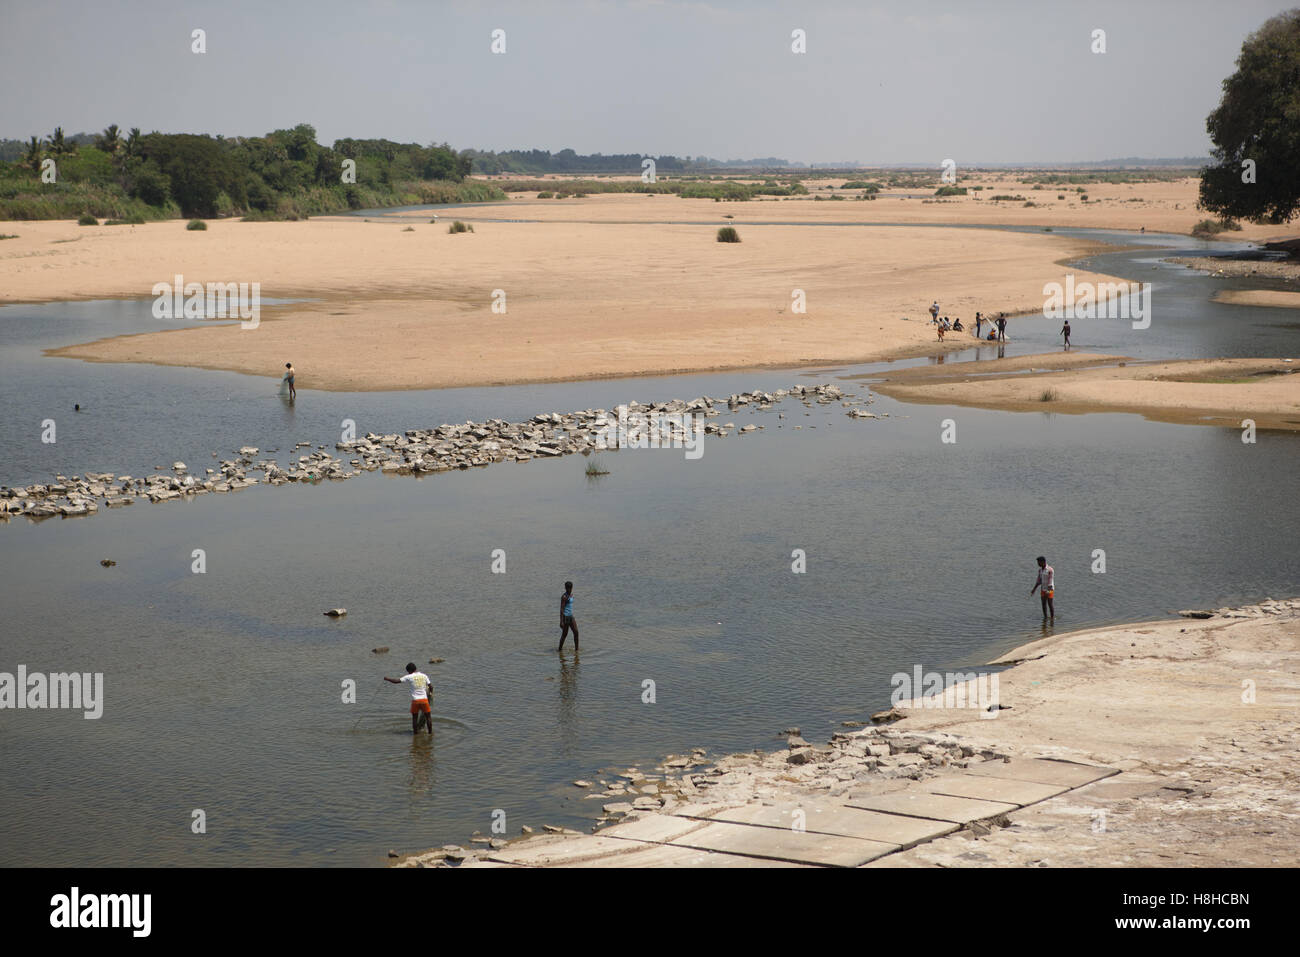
{"x": 223, "y": 690}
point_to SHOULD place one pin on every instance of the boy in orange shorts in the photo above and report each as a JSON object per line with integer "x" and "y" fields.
{"x": 420, "y": 692}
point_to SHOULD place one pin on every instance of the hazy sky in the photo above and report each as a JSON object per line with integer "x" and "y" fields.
{"x": 908, "y": 81}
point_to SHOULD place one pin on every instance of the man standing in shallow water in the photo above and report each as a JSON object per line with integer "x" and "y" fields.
{"x": 566, "y": 617}
{"x": 420, "y": 690}
{"x": 1047, "y": 582}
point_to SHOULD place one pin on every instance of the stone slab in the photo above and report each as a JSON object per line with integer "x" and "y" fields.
{"x": 986, "y": 788}
{"x": 669, "y": 855}
{"x": 557, "y": 851}
{"x": 478, "y": 863}
{"x": 936, "y": 807}
{"x": 1123, "y": 786}
{"x": 838, "y": 819}
{"x": 654, "y": 828}
{"x": 1042, "y": 771}
{"x": 701, "y": 809}
{"x": 782, "y": 844}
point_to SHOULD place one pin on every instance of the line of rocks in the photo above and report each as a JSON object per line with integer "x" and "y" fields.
{"x": 417, "y": 451}
{"x": 798, "y": 770}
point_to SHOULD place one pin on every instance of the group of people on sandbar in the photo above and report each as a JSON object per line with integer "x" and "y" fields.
{"x": 997, "y": 327}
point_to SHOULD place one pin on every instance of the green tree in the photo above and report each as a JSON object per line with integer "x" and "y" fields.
{"x": 110, "y": 140}
{"x": 199, "y": 170}
{"x": 58, "y": 146}
{"x": 1258, "y": 120}
{"x": 32, "y": 158}
{"x": 149, "y": 184}
{"x": 131, "y": 148}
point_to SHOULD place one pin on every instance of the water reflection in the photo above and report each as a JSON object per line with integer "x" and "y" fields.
{"x": 568, "y": 701}
{"x": 420, "y": 781}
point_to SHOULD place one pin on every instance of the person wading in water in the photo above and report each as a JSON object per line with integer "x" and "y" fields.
{"x": 1047, "y": 582}
{"x": 566, "y": 617}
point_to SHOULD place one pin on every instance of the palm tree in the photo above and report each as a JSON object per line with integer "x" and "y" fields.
{"x": 132, "y": 145}
{"x": 109, "y": 140}
{"x": 32, "y": 159}
{"x": 56, "y": 142}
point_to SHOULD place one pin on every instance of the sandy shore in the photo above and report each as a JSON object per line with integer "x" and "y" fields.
{"x": 1219, "y": 392}
{"x": 413, "y": 310}
{"x": 1259, "y": 297}
{"x": 1174, "y": 742}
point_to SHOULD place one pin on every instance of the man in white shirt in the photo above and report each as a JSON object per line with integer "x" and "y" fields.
{"x": 418, "y": 683}
{"x": 1046, "y": 581}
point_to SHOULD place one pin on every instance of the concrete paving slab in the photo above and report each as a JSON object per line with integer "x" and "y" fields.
{"x": 562, "y": 850}
{"x": 700, "y": 809}
{"x": 1127, "y": 784}
{"x": 936, "y": 807}
{"x": 1042, "y": 771}
{"x": 823, "y": 818}
{"x": 668, "y": 855}
{"x": 654, "y": 828}
{"x": 477, "y": 863}
{"x": 985, "y": 788}
{"x": 782, "y": 844}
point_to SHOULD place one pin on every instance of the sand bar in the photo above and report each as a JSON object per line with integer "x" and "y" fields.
{"x": 1220, "y": 392}
{"x": 414, "y": 310}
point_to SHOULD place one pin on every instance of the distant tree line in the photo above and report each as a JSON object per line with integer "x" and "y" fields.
{"x": 285, "y": 174}
{"x": 486, "y": 162}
